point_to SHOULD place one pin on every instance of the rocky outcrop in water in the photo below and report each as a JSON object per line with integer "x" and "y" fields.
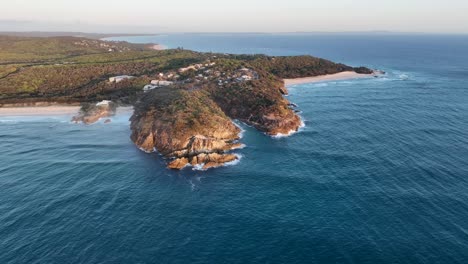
{"x": 186, "y": 127}
{"x": 91, "y": 113}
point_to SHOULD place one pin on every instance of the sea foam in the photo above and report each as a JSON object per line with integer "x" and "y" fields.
{"x": 291, "y": 132}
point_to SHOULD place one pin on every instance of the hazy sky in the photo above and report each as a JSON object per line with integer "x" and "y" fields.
{"x": 448, "y": 16}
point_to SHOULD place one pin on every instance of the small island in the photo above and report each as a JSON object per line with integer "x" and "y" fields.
{"x": 184, "y": 101}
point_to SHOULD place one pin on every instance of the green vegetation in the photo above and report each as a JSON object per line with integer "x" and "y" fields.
{"x": 300, "y": 66}
{"x": 66, "y": 69}
{"x": 71, "y": 69}
{"x": 6, "y": 70}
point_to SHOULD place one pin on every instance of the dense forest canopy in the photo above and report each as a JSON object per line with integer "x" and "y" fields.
{"x": 73, "y": 69}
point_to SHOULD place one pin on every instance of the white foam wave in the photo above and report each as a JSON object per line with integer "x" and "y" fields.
{"x": 234, "y": 162}
{"x": 403, "y": 77}
{"x": 9, "y": 121}
{"x": 147, "y": 151}
{"x": 242, "y": 146}
{"x": 192, "y": 185}
{"x": 291, "y": 132}
{"x": 199, "y": 167}
{"x": 242, "y": 130}
{"x": 320, "y": 85}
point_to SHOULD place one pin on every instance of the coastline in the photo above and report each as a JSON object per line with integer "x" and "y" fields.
{"x": 55, "y": 110}
{"x": 329, "y": 77}
{"x": 39, "y": 110}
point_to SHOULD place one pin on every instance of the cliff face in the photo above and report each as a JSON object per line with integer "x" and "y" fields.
{"x": 186, "y": 127}
{"x": 259, "y": 103}
{"x": 193, "y": 126}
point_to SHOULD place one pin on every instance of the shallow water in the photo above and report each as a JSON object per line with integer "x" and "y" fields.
{"x": 378, "y": 175}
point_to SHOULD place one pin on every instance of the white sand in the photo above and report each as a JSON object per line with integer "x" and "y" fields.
{"x": 331, "y": 77}
{"x": 56, "y": 110}
{"x": 159, "y": 47}
{"x": 39, "y": 110}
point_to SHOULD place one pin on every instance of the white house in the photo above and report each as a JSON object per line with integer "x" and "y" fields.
{"x": 120, "y": 78}
{"x": 103, "y": 103}
{"x": 149, "y": 87}
{"x": 161, "y": 83}
{"x": 192, "y": 67}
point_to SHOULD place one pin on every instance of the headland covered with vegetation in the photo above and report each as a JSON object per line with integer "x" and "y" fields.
{"x": 184, "y": 101}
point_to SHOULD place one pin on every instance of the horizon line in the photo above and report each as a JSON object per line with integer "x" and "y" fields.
{"x": 383, "y": 32}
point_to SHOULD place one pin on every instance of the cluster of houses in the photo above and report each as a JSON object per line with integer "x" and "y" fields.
{"x": 197, "y": 67}
{"x": 156, "y": 84}
{"x": 241, "y": 75}
{"x": 109, "y": 46}
{"x": 202, "y": 72}
{"x": 117, "y": 79}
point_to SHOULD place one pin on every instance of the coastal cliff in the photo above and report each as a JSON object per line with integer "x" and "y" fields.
{"x": 259, "y": 103}
{"x": 186, "y": 127}
{"x": 191, "y": 123}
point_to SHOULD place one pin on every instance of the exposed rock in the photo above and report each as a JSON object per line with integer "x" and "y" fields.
{"x": 170, "y": 127}
{"x": 178, "y": 164}
{"x": 283, "y": 90}
{"x": 193, "y": 126}
{"x": 91, "y": 113}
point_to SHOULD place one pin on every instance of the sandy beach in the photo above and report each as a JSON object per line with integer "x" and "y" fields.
{"x": 56, "y": 110}
{"x": 324, "y": 78}
{"x": 39, "y": 110}
{"x": 159, "y": 47}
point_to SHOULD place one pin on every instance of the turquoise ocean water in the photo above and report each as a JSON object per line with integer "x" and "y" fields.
{"x": 378, "y": 175}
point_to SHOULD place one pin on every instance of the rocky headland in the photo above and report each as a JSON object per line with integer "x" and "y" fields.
{"x": 190, "y": 122}
{"x": 184, "y": 101}
{"x": 186, "y": 127}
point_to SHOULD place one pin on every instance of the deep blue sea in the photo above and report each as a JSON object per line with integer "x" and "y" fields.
{"x": 378, "y": 175}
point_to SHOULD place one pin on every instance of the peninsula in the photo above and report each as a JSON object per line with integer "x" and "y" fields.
{"x": 184, "y": 101}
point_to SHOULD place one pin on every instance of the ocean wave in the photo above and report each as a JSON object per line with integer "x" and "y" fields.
{"x": 403, "y": 77}
{"x": 29, "y": 119}
{"x": 237, "y": 123}
{"x": 192, "y": 185}
{"x": 291, "y": 132}
{"x": 234, "y": 162}
{"x": 242, "y": 146}
{"x": 322, "y": 84}
{"x": 9, "y": 121}
{"x": 199, "y": 167}
{"x": 147, "y": 151}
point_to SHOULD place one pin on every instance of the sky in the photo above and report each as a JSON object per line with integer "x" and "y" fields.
{"x": 158, "y": 16}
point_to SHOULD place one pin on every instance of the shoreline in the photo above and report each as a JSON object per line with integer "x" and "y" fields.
{"x": 69, "y": 110}
{"x": 159, "y": 47}
{"x": 347, "y": 75}
{"x": 55, "y": 110}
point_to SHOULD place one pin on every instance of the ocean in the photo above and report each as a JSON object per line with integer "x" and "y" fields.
{"x": 379, "y": 174}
